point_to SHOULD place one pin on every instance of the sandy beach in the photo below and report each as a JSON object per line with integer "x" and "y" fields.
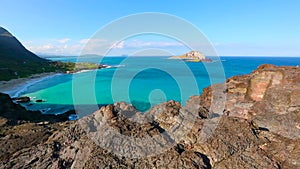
{"x": 15, "y": 86}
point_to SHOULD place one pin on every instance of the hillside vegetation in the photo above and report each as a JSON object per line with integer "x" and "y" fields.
{"x": 17, "y": 62}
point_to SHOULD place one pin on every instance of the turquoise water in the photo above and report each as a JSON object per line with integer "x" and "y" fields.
{"x": 141, "y": 81}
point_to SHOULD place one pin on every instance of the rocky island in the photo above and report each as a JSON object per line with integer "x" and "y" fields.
{"x": 193, "y": 56}
{"x": 259, "y": 127}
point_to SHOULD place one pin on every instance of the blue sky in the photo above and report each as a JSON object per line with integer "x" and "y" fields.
{"x": 235, "y": 27}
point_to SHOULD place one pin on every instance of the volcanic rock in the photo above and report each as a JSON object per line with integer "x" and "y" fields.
{"x": 251, "y": 121}
{"x": 23, "y": 99}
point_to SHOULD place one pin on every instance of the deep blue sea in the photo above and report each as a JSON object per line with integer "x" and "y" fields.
{"x": 141, "y": 81}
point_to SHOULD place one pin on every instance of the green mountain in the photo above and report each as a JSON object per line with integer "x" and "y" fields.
{"x": 16, "y": 61}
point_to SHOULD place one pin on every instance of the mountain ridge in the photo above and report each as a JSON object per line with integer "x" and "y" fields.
{"x": 10, "y": 42}
{"x": 16, "y": 61}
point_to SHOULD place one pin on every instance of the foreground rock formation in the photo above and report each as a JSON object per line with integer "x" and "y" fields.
{"x": 259, "y": 127}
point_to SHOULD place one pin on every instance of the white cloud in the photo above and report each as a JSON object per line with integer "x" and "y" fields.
{"x": 42, "y": 48}
{"x": 67, "y": 46}
{"x": 47, "y": 47}
{"x": 64, "y": 40}
{"x": 152, "y": 44}
{"x": 94, "y": 46}
{"x": 92, "y": 41}
{"x": 57, "y": 49}
{"x": 118, "y": 45}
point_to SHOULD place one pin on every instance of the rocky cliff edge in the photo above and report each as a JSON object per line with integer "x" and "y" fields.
{"x": 258, "y": 127}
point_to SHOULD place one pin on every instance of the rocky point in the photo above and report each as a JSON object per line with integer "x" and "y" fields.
{"x": 251, "y": 121}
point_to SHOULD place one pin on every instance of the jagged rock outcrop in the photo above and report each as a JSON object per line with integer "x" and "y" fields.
{"x": 14, "y": 114}
{"x": 258, "y": 128}
{"x": 23, "y": 99}
{"x": 193, "y": 56}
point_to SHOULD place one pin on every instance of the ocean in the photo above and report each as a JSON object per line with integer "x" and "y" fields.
{"x": 141, "y": 81}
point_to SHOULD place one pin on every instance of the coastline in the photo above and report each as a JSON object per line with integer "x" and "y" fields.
{"x": 15, "y": 86}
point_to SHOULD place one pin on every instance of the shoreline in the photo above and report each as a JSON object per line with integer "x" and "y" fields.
{"x": 15, "y": 86}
